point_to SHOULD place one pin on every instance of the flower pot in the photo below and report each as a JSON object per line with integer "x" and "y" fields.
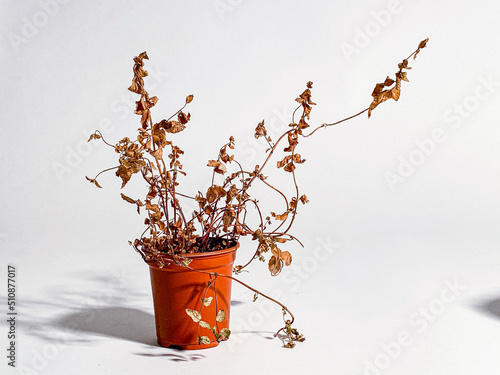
{"x": 176, "y": 288}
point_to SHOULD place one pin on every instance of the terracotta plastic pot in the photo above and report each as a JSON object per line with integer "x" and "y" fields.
{"x": 176, "y": 288}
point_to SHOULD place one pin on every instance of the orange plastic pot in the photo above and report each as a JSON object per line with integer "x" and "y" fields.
{"x": 176, "y": 288}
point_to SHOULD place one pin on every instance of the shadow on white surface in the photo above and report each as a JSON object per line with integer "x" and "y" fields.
{"x": 91, "y": 308}
{"x": 115, "y": 322}
{"x": 175, "y": 357}
{"x": 96, "y": 307}
{"x": 491, "y": 307}
{"x": 89, "y": 325}
{"x": 267, "y": 335}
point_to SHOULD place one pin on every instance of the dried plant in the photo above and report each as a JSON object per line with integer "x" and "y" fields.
{"x": 222, "y": 216}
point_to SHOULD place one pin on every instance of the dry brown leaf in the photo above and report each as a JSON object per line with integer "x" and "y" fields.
{"x": 93, "y": 181}
{"x": 402, "y": 76}
{"x": 298, "y": 159}
{"x": 152, "y": 207}
{"x": 218, "y": 166}
{"x": 421, "y": 45}
{"x": 260, "y": 130}
{"x": 395, "y": 93}
{"x": 195, "y": 315}
{"x": 204, "y": 324}
{"x": 281, "y": 217}
{"x": 221, "y": 316}
{"x": 172, "y": 126}
{"x": 286, "y": 257}
{"x": 378, "y": 89}
{"x": 215, "y": 192}
{"x": 128, "y": 199}
{"x": 274, "y": 265}
{"x": 183, "y": 118}
{"x": 135, "y": 86}
{"x": 224, "y": 334}
{"x": 203, "y": 340}
{"x": 94, "y": 136}
{"x": 124, "y": 173}
{"x": 157, "y": 154}
{"x": 292, "y": 141}
{"x": 284, "y": 162}
{"x": 302, "y": 122}
{"x": 388, "y": 81}
{"x": 207, "y": 301}
{"x": 380, "y": 98}
{"x": 290, "y": 167}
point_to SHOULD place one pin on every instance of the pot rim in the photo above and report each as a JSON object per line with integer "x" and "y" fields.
{"x": 208, "y": 253}
{"x": 193, "y": 256}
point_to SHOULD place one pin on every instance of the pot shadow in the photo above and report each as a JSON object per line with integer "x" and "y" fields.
{"x": 70, "y": 321}
{"x": 116, "y": 322}
{"x": 99, "y": 309}
{"x": 88, "y": 325}
{"x": 490, "y": 307}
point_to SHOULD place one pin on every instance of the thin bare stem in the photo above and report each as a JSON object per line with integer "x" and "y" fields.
{"x": 106, "y": 170}
{"x": 335, "y": 123}
{"x": 248, "y": 287}
{"x": 102, "y": 138}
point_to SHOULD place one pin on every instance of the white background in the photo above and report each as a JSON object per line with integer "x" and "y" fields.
{"x": 398, "y": 276}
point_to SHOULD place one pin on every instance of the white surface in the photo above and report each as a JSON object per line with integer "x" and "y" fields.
{"x": 411, "y": 285}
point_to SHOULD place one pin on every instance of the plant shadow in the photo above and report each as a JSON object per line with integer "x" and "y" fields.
{"x": 174, "y": 357}
{"x": 266, "y": 335}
